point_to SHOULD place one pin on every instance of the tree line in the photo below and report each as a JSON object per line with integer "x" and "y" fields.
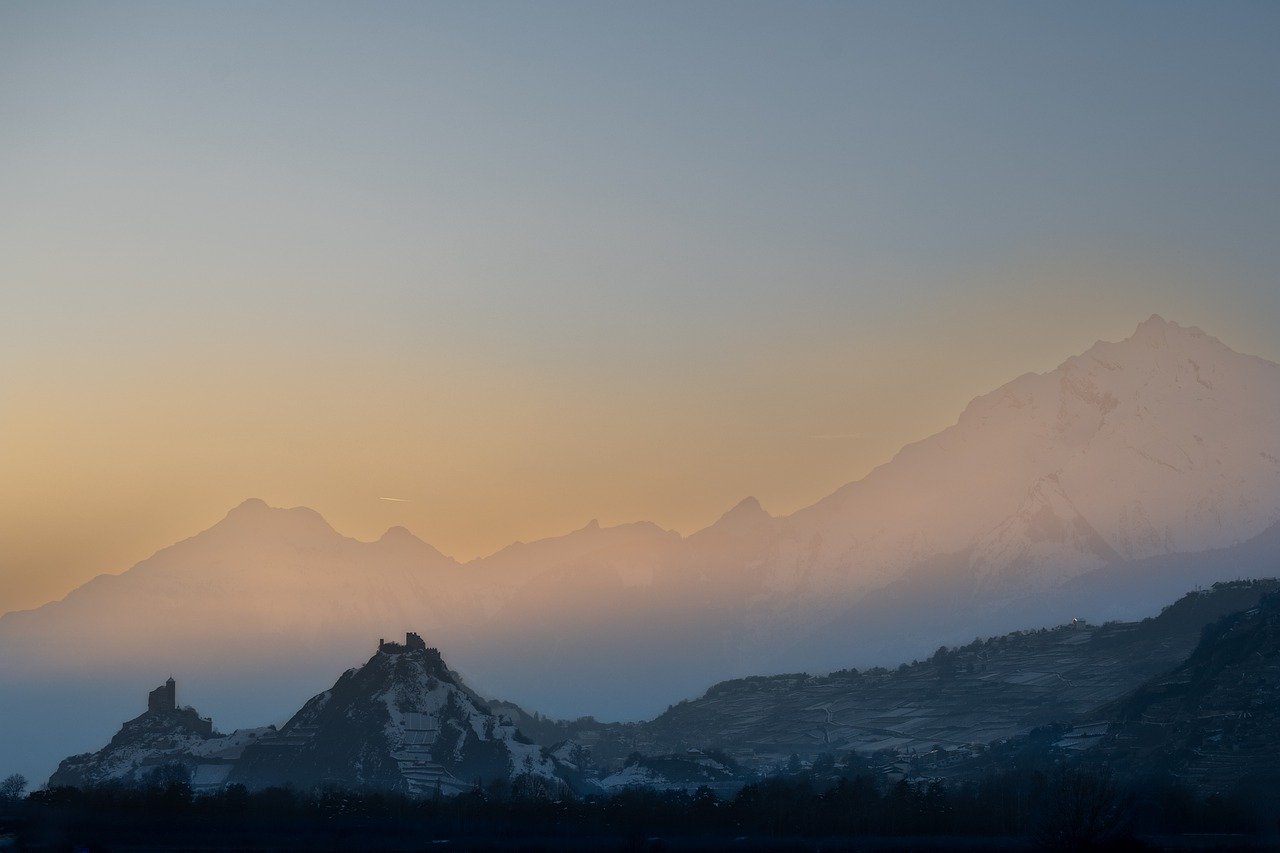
{"x": 1063, "y": 808}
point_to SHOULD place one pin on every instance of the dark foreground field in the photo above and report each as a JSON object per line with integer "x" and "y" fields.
{"x": 1066, "y": 810}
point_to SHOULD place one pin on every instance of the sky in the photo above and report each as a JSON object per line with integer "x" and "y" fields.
{"x": 525, "y": 265}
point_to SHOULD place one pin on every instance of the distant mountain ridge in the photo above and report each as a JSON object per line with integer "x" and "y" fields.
{"x": 1159, "y": 448}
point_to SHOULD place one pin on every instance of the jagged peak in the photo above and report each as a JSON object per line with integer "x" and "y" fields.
{"x": 1162, "y": 340}
{"x": 400, "y": 540}
{"x": 1153, "y": 333}
{"x": 749, "y": 505}
{"x": 1157, "y": 331}
{"x": 401, "y": 535}
{"x": 746, "y": 511}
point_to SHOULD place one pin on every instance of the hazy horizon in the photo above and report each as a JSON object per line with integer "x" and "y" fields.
{"x": 365, "y": 536}
{"x": 523, "y": 267}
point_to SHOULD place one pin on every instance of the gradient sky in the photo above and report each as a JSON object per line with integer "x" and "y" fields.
{"x": 526, "y": 264}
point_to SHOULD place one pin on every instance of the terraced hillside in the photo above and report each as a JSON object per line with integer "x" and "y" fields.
{"x": 403, "y": 721}
{"x": 1210, "y": 723}
{"x": 982, "y": 692}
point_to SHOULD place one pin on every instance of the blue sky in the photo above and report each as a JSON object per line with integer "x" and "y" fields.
{"x": 501, "y": 163}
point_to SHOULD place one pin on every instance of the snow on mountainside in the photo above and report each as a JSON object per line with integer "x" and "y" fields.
{"x": 686, "y": 772}
{"x": 1165, "y": 443}
{"x": 160, "y": 745}
{"x": 1040, "y": 543}
{"x": 405, "y": 721}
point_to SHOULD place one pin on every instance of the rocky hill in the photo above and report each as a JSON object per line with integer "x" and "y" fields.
{"x": 1211, "y": 722}
{"x": 403, "y": 721}
{"x": 968, "y": 696}
{"x": 164, "y": 743}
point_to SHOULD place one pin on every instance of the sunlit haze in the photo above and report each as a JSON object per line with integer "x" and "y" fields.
{"x": 519, "y": 266}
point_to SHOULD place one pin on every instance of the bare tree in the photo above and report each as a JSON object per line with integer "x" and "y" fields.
{"x": 13, "y": 787}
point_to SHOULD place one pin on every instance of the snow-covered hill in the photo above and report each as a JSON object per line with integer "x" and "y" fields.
{"x": 402, "y": 721}
{"x": 159, "y": 746}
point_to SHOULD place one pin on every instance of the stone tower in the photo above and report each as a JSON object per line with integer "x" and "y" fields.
{"x": 163, "y": 698}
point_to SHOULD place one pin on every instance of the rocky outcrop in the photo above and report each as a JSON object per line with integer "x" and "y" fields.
{"x": 404, "y": 721}
{"x": 164, "y": 744}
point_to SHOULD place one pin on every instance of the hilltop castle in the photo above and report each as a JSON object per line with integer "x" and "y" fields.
{"x": 412, "y": 643}
{"x": 164, "y": 701}
{"x": 163, "y": 698}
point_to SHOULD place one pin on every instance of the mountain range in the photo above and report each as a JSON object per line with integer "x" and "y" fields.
{"x": 1192, "y": 692}
{"x": 1094, "y": 490}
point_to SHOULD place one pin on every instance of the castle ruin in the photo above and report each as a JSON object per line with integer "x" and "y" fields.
{"x": 164, "y": 701}
{"x": 163, "y": 698}
{"x": 412, "y": 643}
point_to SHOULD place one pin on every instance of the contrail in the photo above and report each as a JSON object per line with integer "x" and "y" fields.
{"x": 397, "y": 500}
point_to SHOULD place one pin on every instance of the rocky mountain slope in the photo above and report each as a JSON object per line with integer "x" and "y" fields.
{"x": 982, "y": 692}
{"x": 1212, "y": 722}
{"x": 165, "y": 743}
{"x": 403, "y": 721}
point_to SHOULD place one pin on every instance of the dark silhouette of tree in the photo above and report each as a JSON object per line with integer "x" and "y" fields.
{"x": 13, "y": 787}
{"x": 1083, "y": 809}
{"x": 1063, "y": 809}
{"x": 944, "y": 663}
